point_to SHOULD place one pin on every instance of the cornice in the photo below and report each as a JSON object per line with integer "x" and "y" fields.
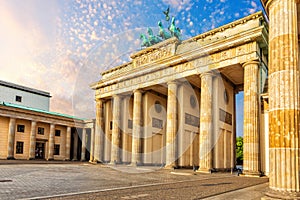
{"x": 244, "y": 20}
{"x": 19, "y": 113}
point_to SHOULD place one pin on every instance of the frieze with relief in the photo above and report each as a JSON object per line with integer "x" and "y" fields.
{"x": 196, "y": 64}
{"x": 154, "y": 55}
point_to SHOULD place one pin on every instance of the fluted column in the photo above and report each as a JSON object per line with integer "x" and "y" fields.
{"x": 172, "y": 128}
{"x": 136, "y": 129}
{"x": 92, "y": 147}
{"x": 75, "y": 146}
{"x": 206, "y": 131}
{"x": 11, "y": 138}
{"x": 68, "y": 143}
{"x": 284, "y": 121}
{"x": 115, "y": 153}
{"x": 251, "y": 163}
{"x": 51, "y": 142}
{"x": 83, "y": 144}
{"x": 32, "y": 141}
{"x": 99, "y": 132}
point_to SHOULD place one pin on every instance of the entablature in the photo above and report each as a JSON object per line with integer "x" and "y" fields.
{"x": 173, "y": 59}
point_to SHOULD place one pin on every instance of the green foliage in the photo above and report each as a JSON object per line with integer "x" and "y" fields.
{"x": 239, "y": 150}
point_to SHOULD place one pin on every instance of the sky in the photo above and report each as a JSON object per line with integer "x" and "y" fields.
{"x": 62, "y": 46}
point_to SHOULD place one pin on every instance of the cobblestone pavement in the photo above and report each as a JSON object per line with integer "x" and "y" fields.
{"x": 87, "y": 181}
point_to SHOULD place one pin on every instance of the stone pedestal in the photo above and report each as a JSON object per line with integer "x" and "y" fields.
{"x": 205, "y": 137}
{"x": 172, "y": 128}
{"x": 284, "y": 102}
{"x": 11, "y": 138}
{"x": 136, "y": 129}
{"x": 68, "y": 143}
{"x": 32, "y": 141}
{"x": 115, "y": 150}
{"x": 83, "y": 145}
{"x": 51, "y": 142}
{"x": 251, "y": 158}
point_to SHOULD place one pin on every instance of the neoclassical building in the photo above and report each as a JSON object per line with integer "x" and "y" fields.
{"x": 28, "y": 130}
{"x": 173, "y": 104}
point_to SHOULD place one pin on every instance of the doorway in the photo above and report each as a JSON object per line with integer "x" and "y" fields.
{"x": 40, "y": 150}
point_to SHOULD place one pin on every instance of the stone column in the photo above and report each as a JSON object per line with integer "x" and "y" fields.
{"x": 75, "y": 147}
{"x": 32, "y": 141}
{"x": 284, "y": 102}
{"x": 68, "y": 143}
{"x": 206, "y": 130}
{"x": 251, "y": 165}
{"x": 233, "y": 136}
{"x": 172, "y": 128}
{"x": 136, "y": 129}
{"x": 83, "y": 144}
{"x": 11, "y": 139}
{"x": 99, "y": 132}
{"x": 115, "y": 142}
{"x": 51, "y": 142}
{"x": 92, "y": 147}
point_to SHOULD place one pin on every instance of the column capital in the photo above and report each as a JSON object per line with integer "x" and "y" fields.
{"x": 172, "y": 82}
{"x": 138, "y": 90}
{"x": 100, "y": 100}
{"x": 209, "y": 73}
{"x": 250, "y": 62}
{"x": 116, "y": 95}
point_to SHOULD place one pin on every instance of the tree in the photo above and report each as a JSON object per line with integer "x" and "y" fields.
{"x": 239, "y": 150}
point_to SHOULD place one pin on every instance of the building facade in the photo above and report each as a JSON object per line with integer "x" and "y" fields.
{"x": 174, "y": 103}
{"x": 25, "y": 96}
{"x": 28, "y": 130}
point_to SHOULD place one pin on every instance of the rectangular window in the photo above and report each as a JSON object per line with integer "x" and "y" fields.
{"x": 18, "y": 98}
{"x": 56, "y": 149}
{"x": 19, "y": 147}
{"x": 21, "y": 128}
{"x": 41, "y": 131}
{"x": 57, "y": 133}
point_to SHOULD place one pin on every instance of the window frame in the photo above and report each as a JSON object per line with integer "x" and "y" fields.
{"x": 57, "y": 133}
{"x": 41, "y": 131}
{"x": 20, "y": 128}
{"x": 19, "y": 147}
{"x": 18, "y": 99}
{"x": 56, "y": 149}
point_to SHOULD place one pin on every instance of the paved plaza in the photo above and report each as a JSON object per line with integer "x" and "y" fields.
{"x": 77, "y": 180}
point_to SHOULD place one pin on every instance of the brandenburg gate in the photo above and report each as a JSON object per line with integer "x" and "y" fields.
{"x": 173, "y": 104}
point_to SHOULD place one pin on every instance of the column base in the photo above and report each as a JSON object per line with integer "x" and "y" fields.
{"x": 83, "y": 160}
{"x": 68, "y": 159}
{"x": 205, "y": 171}
{"x": 50, "y": 159}
{"x": 74, "y": 159}
{"x": 11, "y": 158}
{"x": 273, "y": 194}
{"x": 113, "y": 162}
{"x": 171, "y": 166}
{"x": 92, "y": 162}
{"x": 98, "y": 161}
{"x": 251, "y": 174}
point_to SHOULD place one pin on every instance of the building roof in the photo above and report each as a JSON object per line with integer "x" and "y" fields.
{"x": 23, "y": 88}
{"x": 39, "y": 110}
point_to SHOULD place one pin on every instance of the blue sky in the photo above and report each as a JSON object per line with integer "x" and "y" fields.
{"x": 62, "y": 46}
